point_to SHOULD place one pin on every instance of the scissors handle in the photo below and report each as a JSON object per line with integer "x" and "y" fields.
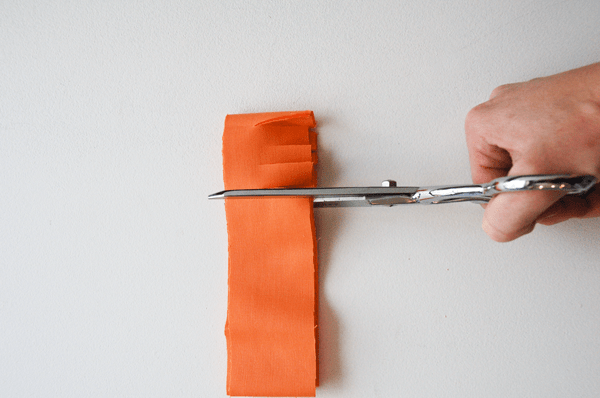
{"x": 566, "y": 183}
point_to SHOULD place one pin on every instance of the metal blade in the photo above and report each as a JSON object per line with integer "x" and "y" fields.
{"x": 328, "y": 197}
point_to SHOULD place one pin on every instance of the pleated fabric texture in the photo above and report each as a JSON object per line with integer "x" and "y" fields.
{"x": 271, "y": 326}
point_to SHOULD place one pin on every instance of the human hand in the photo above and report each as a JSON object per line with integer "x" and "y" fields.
{"x": 548, "y": 125}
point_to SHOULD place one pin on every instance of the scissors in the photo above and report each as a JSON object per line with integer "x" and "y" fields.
{"x": 389, "y": 194}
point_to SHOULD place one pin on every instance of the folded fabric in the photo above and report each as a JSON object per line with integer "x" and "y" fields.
{"x": 271, "y": 326}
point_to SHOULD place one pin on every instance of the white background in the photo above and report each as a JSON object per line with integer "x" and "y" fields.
{"x": 113, "y": 263}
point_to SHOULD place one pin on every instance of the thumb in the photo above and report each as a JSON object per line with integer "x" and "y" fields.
{"x": 511, "y": 215}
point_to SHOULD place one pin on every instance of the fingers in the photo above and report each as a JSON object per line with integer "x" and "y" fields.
{"x": 543, "y": 126}
{"x": 572, "y": 207}
{"x": 509, "y": 216}
{"x": 486, "y": 166}
{"x": 593, "y": 202}
{"x": 488, "y": 161}
{"x": 512, "y": 215}
{"x": 489, "y": 136}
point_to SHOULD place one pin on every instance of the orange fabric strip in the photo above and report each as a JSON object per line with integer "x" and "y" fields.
{"x": 271, "y": 314}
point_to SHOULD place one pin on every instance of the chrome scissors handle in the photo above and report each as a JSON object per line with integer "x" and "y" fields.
{"x": 483, "y": 193}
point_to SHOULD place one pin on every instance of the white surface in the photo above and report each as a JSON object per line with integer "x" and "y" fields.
{"x": 113, "y": 264}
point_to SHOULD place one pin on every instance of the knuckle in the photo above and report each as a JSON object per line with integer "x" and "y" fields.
{"x": 500, "y": 89}
{"x": 474, "y": 117}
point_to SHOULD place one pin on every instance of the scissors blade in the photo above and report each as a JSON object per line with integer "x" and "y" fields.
{"x": 329, "y": 197}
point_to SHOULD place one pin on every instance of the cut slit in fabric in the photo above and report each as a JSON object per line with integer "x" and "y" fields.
{"x": 271, "y": 326}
